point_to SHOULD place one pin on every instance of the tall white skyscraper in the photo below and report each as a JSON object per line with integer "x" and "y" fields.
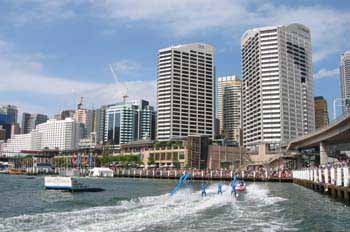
{"x": 345, "y": 80}
{"x": 229, "y": 107}
{"x": 185, "y": 91}
{"x": 277, "y": 87}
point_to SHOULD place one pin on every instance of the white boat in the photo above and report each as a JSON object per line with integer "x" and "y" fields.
{"x": 59, "y": 182}
{"x": 101, "y": 172}
{"x": 67, "y": 183}
{"x": 4, "y": 167}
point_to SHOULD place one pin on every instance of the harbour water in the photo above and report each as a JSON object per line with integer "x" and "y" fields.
{"x": 145, "y": 205}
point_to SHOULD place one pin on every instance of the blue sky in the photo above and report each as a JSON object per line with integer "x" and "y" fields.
{"x": 52, "y": 52}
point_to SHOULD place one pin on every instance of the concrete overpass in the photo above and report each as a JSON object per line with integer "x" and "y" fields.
{"x": 334, "y": 134}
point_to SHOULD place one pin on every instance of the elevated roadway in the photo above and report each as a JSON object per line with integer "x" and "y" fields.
{"x": 334, "y": 134}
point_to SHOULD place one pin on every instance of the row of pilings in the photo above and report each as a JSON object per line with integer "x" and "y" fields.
{"x": 331, "y": 181}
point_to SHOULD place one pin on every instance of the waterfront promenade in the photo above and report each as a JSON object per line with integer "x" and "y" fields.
{"x": 227, "y": 175}
{"x": 261, "y": 174}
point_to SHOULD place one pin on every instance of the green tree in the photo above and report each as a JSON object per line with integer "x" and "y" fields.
{"x": 125, "y": 159}
{"x": 186, "y": 166}
{"x": 175, "y": 160}
{"x": 151, "y": 160}
{"x": 157, "y": 144}
{"x": 106, "y": 149}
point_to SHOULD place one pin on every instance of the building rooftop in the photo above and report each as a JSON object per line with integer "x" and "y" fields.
{"x": 195, "y": 46}
{"x": 319, "y": 98}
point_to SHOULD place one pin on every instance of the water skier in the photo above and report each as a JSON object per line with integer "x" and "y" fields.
{"x": 203, "y": 188}
{"x": 220, "y": 188}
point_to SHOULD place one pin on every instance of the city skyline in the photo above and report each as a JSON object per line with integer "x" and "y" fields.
{"x": 190, "y": 115}
{"x": 42, "y": 56}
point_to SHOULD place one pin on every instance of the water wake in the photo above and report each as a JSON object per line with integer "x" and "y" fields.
{"x": 183, "y": 211}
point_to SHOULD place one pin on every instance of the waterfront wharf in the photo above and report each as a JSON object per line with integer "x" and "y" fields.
{"x": 332, "y": 181}
{"x": 158, "y": 173}
{"x": 215, "y": 175}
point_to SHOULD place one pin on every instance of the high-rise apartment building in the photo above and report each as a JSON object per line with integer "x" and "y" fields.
{"x": 30, "y": 121}
{"x": 53, "y": 134}
{"x": 229, "y": 107}
{"x": 127, "y": 122}
{"x": 277, "y": 89}
{"x": 185, "y": 91}
{"x": 66, "y": 114}
{"x": 2, "y": 134}
{"x": 86, "y": 118}
{"x": 321, "y": 112}
{"x": 15, "y": 129}
{"x": 345, "y": 80}
{"x": 100, "y": 118}
{"x": 59, "y": 134}
{"x": 19, "y": 143}
{"x": 8, "y": 119}
{"x": 146, "y": 121}
{"x": 11, "y": 111}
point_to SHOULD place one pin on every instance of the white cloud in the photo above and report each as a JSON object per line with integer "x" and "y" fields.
{"x": 42, "y": 10}
{"x": 3, "y": 46}
{"x": 324, "y": 52}
{"x": 330, "y": 27}
{"x": 324, "y": 73}
{"x": 126, "y": 66}
{"x": 95, "y": 93}
{"x": 24, "y": 74}
{"x": 181, "y": 17}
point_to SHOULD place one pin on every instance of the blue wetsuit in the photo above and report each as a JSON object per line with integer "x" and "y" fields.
{"x": 203, "y": 187}
{"x": 233, "y": 187}
{"x": 220, "y": 188}
{"x": 189, "y": 185}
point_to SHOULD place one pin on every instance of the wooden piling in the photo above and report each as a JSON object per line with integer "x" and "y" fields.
{"x": 338, "y": 193}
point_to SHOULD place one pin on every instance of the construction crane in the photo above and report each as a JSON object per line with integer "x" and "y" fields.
{"x": 125, "y": 96}
{"x": 80, "y": 103}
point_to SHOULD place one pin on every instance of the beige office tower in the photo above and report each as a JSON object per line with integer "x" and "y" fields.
{"x": 277, "y": 88}
{"x": 229, "y": 107}
{"x": 321, "y": 112}
{"x": 345, "y": 81}
{"x": 185, "y": 91}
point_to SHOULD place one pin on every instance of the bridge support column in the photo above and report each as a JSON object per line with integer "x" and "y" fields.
{"x": 323, "y": 153}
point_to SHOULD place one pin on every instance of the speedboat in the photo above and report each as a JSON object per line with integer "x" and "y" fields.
{"x": 240, "y": 187}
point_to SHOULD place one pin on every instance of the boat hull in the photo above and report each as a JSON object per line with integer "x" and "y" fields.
{"x": 58, "y": 183}
{"x": 240, "y": 188}
{"x": 67, "y": 184}
{"x": 14, "y": 172}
